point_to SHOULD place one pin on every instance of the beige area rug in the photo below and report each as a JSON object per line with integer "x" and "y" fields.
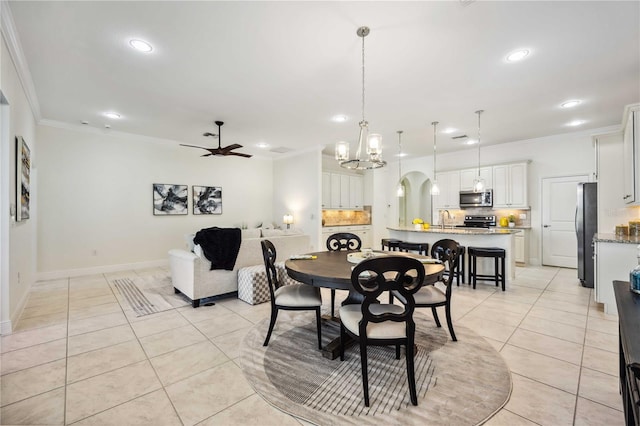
{"x": 147, "y": 294}
{"x": 458, "y": 383}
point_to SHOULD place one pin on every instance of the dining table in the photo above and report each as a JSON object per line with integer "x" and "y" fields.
{"x": 332, "y": 269}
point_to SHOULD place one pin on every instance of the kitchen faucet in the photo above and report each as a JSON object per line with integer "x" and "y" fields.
{"x": 442, "y": 212}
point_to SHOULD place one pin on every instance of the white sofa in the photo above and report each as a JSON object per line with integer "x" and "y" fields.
{"x": 190, "y": 269}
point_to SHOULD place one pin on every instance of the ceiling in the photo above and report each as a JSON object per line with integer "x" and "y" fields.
{"x": 277, "y": 72}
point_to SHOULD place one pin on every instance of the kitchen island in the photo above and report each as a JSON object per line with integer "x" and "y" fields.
{"x": 469, "y": 237}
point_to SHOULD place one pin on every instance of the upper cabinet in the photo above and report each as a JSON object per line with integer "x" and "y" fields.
{"x": 449, "y": 183}
{"x": 631, "y": 160}
{"x": 468, "y": 176}
{"x": 510, "y": 186}
{"x": 341, "y": 191}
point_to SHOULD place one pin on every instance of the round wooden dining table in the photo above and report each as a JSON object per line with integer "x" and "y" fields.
{"x": 331, "y": 269}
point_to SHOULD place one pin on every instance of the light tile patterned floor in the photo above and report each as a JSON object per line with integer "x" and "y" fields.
{"x": 78, "y": 357}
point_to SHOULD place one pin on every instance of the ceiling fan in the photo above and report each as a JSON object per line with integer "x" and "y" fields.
{"x": 227, "y": 150}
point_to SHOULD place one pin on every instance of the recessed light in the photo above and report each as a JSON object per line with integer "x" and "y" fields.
{"x": 471, "y": 142}
{"x": 140, "y": 45}
{"x": 339, "y": 118}
{"x": 449, "y": 130}
{"x": 262, "y": 145}
{"x": 113, "y": 115}
{"x": 402, "y": 154}
{"x": 518, "y": 55}
{"x": 575, "y": 123}
{"x": 570, "y": 104}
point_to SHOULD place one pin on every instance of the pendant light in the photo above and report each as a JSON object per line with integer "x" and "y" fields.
{"x": 435, "y": 190}
{"x": 372, "y": 141}
{"x": 478, "y": 183}
{"x": 400, "y": 189}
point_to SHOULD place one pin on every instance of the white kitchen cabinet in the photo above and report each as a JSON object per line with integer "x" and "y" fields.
{"x": 468, "y": 176}
{"x": 520, "y": 242}
{"x": 449, "y": 183}
{"x": 631, "y": 160}
{"x": 613, "y": 261}
{"x": 510, "y": 186}
{"x": 326, "y": 190}
{"x": 364, "y": 232}
{"x": 356, "y": 192}
{"x": 342, "y": 191}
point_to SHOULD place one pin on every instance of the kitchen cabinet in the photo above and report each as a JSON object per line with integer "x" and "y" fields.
{"x": 326, "y": 190}
{"x": 510, "y": 186}
{"x": 363, "y": 232}
{"x": 342, "y": 191}
{"x": 631, "y": 159}
{"x": 467, "y": 176}
{"x": 520, "y": 242}
{"x": 612, "y": 261}
{"x": 449, "y": 183}
{"x": 356, "y": 192}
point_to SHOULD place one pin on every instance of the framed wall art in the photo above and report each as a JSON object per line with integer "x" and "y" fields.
{"x": 169, "y": 199}
{"x": 23, "y": 172}
{"x": 207, "y": 200}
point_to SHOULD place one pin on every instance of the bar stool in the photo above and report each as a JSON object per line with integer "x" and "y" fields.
{"x": 390, "y": 244}
{"x": 492, "y": 252}
{"x": 421, "y": 248}
{"x": 460, "y": 269}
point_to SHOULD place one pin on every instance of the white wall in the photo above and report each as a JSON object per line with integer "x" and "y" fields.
{"x": 96, "y": 197}
{"x": 552, "y": 156}
{"x": 297, "y": 187}
{"x": 22, "y": 235}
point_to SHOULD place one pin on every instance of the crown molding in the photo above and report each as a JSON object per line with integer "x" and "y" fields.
{"x": 8, "y": 29}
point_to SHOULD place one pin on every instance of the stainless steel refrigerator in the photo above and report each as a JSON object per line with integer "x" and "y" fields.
{"x": 586, "y": 227}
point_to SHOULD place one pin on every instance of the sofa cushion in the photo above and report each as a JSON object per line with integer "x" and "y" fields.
{"x": 250, "y": 233}
{"x": 266, "y": 233}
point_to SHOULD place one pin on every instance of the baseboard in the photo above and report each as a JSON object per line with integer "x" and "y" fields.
{"x": 5, "y": 327}
{"x": 54, "y": 275}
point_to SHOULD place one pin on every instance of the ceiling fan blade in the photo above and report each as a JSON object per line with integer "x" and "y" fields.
{"x": 233, "y": 146}
{"x": 195, "y": 146}
{"x": 239, "y": 154}
{"x": 206, "y": 155}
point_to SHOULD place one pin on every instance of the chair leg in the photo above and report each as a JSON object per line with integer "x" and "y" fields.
{"x": 447, "y": 311}
{"x": 390, "y": 298}
{"x": 319, "y": 328}
{"x": 411, "y": 373}
{"x": 497, "y": 271}
{"x": 365, "y": 376}
{"x": 195, "y": 303}
{"x": 473, "y": 271}
{"x": 176, "y": 291}
{"x": 398, "y": 351}
{"x": 333, "y": 302}
{"x": 343, "y": 336}
{"x": 503, "y": 274}
{"x": 435, "y": 316}
{"x": 274, "y": 315}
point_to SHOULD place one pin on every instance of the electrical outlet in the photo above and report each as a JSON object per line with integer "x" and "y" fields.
{"x": 523, "y": 216}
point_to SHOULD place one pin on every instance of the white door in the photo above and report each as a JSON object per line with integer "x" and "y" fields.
{"x": 559, "y": 241}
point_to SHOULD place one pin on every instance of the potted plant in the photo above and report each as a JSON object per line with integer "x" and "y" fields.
{"x": 512, "y": 221}
{"x": 417, "y": 223}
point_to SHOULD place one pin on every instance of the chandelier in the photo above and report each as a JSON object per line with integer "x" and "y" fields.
{"x": 478, "y": 183}
{"x": 435, "y": 190}
{"x": 372, "y": 141}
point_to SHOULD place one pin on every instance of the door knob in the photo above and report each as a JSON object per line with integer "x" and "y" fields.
{"x": 547, "y": 226}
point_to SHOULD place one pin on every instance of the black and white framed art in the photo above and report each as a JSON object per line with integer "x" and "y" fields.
{"x": 170, "y": 199}
{"x": 23, "y": 172}
{"x": 207, "y": 200}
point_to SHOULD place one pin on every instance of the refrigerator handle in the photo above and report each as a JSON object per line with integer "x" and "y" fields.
{"x": 575, "y": 220}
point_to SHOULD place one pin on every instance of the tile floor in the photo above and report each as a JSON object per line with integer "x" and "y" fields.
{"x": 78, "y": 357}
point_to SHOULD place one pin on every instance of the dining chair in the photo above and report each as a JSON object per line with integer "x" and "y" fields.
{"x": 341, "y": 241}
{"x": 374, "y": 323}
{"x": 431, "y": 296}
{"x": 292, "y": 297}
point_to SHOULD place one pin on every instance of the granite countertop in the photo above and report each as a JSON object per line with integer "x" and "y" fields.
{"x": 465, "y": 231}
{"x": 343, "y": 224}
{"x": 613, "y": 238}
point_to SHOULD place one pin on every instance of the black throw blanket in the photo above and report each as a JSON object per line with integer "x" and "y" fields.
{"x": 220, "y": 246}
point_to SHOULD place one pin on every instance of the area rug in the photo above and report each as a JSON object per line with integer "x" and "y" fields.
{"x": 458, "y": 383}
{"x": 147, "y": 294}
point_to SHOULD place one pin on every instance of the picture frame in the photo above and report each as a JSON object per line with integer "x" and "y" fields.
{"x": 170, "y": 199}
{"x": 23, "y": 179}
{"x": 206, "y": 199}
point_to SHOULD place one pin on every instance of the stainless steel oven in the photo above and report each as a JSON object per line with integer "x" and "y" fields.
{"x": 476, "y": 199}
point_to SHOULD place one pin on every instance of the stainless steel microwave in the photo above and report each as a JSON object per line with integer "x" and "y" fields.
{"x": 476, "y": 199}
